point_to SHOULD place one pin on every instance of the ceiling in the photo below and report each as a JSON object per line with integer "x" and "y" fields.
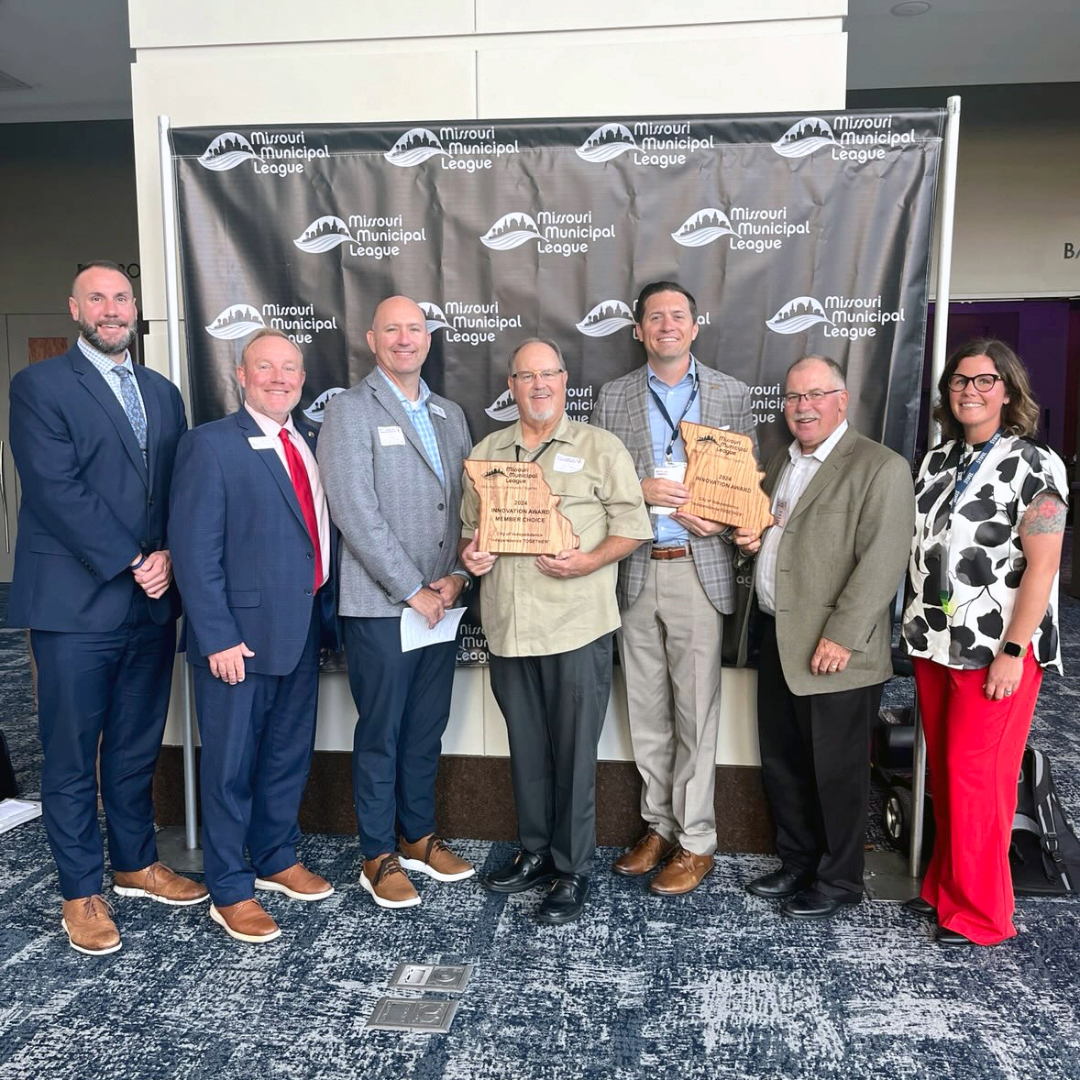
{"x": 74, "y": 58}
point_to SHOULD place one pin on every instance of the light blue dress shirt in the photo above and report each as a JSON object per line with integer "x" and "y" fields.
{"x": 668, "y": 533}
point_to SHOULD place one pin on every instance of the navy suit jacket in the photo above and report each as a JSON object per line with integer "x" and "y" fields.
{"x": 241, "y": 551}
{"x": 90, "y": 504}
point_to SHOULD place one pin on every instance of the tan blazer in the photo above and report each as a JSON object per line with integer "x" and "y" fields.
{"x": 839, "y": 564}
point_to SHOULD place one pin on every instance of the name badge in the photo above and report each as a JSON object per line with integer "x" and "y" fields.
{"x": 438, "y": 410}
{"x": 780, "y": 512}
{"x": 565, "y": 463}
{"x": 673, "y": 470}
{"x": 261, "y": 442}
{"x": 391, "y": 436}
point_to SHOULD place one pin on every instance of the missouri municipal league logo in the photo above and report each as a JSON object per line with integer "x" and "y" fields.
{"x": 469, "y": 149}
{"x": 660, "y": 143}
{"x": 236, "y": 321}
{"x": 749, "y": 228}
{"x": 279, "y": 153}
{"x": 315, "y": 412}
{"x": 851, "y": 317}
{"x": 555, "y": 233}
{"x": 606, "y": 142}
{"x": 367, "y": 236}
{"x": 227, "y": 151}
{"x": 299, "y": 322}
{"x": 608, "y": 317}
{"x": 468, "y": 324}
{"x": 511, "y": 231}
{"x": 851, "y": 137}
{"x": 503, "y": 409}
{"x": 415, "y": 147}
{"x": 804, "y": 138}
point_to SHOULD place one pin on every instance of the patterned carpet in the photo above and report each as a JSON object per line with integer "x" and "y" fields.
{"x": 711, "y": 985}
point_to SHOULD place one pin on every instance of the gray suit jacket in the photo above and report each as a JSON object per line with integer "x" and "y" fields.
{"x": 623, "y": 409}
{"x": 843, "y": 551}
{"x": 399, "y": 526}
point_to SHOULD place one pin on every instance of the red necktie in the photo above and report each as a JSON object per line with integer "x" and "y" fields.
{"x": 302, "y": 485}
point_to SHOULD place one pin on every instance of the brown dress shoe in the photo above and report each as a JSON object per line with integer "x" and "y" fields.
{"x": 158, "y": 882}
{"x": 645, "y": 855}
{"x": 89, "y": 926}
{"x": 682, "y": 874}
{"x": 297, "y": 882}
{"x": 246, "y": 921}
{"x": 388, "y": 884}
{"x": 430, "y": 855}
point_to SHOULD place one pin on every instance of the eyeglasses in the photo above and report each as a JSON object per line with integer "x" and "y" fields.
{"x": 527, "y": 377}
{"x": 983, "y": 383}
{"x": 814, "y": 397}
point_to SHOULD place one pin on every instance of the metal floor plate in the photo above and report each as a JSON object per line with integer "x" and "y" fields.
{"x": 413, "y": 1014}
{"x": 442, "y": 978}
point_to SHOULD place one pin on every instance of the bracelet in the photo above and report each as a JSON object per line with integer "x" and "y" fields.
{"x": 135, "y": 566}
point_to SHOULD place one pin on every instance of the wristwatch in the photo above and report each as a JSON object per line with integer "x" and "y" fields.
{"x": 1010, "y": 648}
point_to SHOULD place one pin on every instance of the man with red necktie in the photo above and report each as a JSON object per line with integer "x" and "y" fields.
{"x": 252, "y": 557}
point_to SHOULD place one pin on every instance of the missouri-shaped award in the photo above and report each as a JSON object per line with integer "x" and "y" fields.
{"x": 518, "y": 511}
{"x": 723, "y": 478}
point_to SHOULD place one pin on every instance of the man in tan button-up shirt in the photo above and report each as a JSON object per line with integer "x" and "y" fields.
{"x": 549, "y": 622}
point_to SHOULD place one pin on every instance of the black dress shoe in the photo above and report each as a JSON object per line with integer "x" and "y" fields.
{"x": 523, "y": 873}
{"x": 780, "y": 884}
{"x": 566, "y": 900}
{"x": 952, "y": 937}
{"x": 918, "y": 906}
{"x": 813, "y": 904}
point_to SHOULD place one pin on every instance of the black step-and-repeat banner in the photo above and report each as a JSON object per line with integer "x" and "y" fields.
{"x": 796, "y": 234}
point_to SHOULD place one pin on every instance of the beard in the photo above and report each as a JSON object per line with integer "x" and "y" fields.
{"x": 542, "y": 411}
{"x": 109, "y": 348}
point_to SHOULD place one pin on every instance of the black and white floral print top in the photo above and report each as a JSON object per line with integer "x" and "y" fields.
{"x": 980, "y": 542}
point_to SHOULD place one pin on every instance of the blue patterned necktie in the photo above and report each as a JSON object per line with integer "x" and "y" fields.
{"x": 132, "y": 407}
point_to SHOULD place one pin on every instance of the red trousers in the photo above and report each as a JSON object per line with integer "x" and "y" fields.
{"x": 973, "y": 747}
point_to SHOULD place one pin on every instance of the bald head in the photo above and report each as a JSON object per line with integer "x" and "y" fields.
{"x": 400, "y": 341}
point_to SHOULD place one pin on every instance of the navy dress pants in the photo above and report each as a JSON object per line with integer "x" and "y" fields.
{"x": 257, "y": 740}
{"x": 113, "y": 686}
{"x": 403, "y": 705}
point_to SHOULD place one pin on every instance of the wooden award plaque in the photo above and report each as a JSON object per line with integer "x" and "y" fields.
{"x": 518, "y": 514}
{"x": 723, "y": 478}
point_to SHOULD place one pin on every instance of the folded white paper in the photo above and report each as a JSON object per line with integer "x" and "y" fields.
{"x": 15, "y": 811}
{"x": 415, "y": 633}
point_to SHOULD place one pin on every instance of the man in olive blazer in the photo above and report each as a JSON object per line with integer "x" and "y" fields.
{"x": 824, "y": 580}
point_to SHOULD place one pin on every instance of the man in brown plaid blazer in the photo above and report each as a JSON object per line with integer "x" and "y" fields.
{"x": 673, "y": 593}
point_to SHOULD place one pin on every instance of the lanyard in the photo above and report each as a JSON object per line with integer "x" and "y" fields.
{"x": 667, "y": 416}
{"x": 964, "y": 476}
{"x": 535, "y": 453}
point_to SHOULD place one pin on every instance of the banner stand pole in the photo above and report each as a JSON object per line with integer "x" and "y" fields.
{"x": 189, "y": 857}
{"x": 933, "y": 431}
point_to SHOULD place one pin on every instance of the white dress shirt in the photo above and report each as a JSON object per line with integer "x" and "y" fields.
{"x": 272, "y": 429}
{"x": 793, "y": 482}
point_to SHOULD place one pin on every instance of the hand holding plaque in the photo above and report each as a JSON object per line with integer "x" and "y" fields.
{"x": 723, "y": 478}
{"x": 518, "y": 511}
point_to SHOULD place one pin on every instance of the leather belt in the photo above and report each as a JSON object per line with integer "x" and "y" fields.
{"x": 670, "y": 552}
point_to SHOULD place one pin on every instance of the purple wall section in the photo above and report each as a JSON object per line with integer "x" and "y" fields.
{"x": 1039, "y": 331}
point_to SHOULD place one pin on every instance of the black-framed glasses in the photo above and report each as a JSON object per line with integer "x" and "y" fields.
{"x": 527, "y": 377}
{"x": 814, "y": 397}
{"x": 984, "y": 382}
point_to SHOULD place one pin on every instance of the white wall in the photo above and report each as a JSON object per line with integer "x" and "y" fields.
{"x": 337, "y": 61}
{"x": 1017, "y": 186}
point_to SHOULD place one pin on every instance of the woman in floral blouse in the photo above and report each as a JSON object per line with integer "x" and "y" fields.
{"x": 980, "y": 621}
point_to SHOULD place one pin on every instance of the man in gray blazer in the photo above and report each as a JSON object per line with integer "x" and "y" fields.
{"x": 390, "y": 457}
{"x": 824, "y": 580}
{"x": 673, "y": 593}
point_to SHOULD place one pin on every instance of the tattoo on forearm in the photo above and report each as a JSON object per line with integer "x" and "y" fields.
{"x": 1046, "y": 514}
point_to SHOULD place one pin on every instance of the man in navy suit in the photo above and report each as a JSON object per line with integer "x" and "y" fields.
{"x": 252, "y": 550}
{"x": 94, "y": 438}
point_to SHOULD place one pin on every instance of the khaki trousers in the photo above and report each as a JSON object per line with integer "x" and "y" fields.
{"x": 669, "y": 645}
